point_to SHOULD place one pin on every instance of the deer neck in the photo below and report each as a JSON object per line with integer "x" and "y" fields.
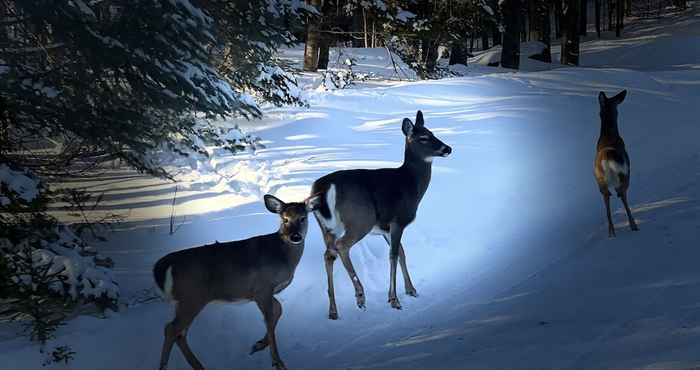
{"x": 608, "y": 128}
{"x": 292, "y": 251}
{"x": 418, "y": 168}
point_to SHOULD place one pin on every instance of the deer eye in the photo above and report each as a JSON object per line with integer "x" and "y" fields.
{"x": 285, "y": 220}
{"x": 423, "y": 140}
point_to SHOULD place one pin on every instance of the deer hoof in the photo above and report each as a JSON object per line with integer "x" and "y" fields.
{"x": 361, "y": 302}
{"x": 258, "y": 346}
{"x": 395, "y": 303}
{"x": 333, "y": 315}
{"x": 634, "y": 227}
{"x": 279, "y": 366}
{"x": 412, "y": 292}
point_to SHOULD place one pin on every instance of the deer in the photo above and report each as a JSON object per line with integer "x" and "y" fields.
{"x": 250, "y": 270}
{"x": 354, "y": 203}
{"x": 612, "y": 163}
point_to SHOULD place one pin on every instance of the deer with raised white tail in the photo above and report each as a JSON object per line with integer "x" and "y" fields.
{"x": 248, "y": 270}
{"x": 612, "y": 164}
{"x": 354, "y": 203}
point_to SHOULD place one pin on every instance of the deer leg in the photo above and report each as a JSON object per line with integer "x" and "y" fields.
{"x": 611, "y": 227}
{"x": 408, "y": 285}
{"x": 359, "y": 290}
{"x": 271, "y": 310}
{"x": 329, "y": 258}
{"x": 168, "y": 342}
{"x": 396, "y": 233}
{"x": 633, "y": 224}
{"x": 175, "y": 332}
{"x": 187, "y": 352}
{"x": 260, "y": 345}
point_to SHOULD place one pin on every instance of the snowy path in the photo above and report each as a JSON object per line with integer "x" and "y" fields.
{"x": 509, "y": 252}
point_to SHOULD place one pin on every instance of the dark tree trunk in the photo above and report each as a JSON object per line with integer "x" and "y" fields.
{"x": 610, "y": 14}
{"x": 570, "y": 34}
{"x": 484, "y": 40}
{"x": 558, "y": 17}
{"x": 324, "y": 52}
{"x": 358, "y": 28}
{"x": 429, "y": 50}
{"x": 583, "y": 30}
{"x": 496, "y": 35}
{"x": 510, "y": 53}
{"x": 533, "y": 24}
{"x": 540, "y": 27}
{"x": 313, "y": 37}
{"x": 618, "y": 17}
{"x": 597, "y": 17}
{"x": 459, "y": 54}
{"x": 546, "y": 31}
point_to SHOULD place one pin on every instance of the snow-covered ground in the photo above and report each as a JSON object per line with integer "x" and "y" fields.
{"x": 509, "y": 252}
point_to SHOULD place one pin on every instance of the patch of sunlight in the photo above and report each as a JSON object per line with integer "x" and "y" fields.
{"x": 295, "y": 193}
{"x": 646, "y": 207}
{"x": 417, "y": 339}
{"x": 377, "y": 125}
{"x": 301, "y": 137}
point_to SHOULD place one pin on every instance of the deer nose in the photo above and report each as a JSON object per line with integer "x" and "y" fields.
{"x": 446, "y": 150}
{"x": 295, "y": 238}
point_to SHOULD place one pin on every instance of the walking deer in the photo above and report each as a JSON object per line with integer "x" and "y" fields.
{"x": 612, "y": 164}
{"x": 354, "y": 203}
{"x": 254, "y": 269}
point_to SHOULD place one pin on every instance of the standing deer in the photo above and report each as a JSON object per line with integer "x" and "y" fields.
{"x": 612, "y": 164}
{"x": 381, "y": 201}
{"x": 254, "y": 269}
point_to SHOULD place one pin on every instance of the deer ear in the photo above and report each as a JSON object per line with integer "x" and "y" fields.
{"x": 419, "y": 119}
{"x": 313, "y": 203}
{"x": 619, "y": 98}
{"x": 273, "y": 204}
{"x": 602, "y": 99}
{"x": 407, "y": 127}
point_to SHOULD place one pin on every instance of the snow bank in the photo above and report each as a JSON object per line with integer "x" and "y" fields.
{"x": 15, "y": 183}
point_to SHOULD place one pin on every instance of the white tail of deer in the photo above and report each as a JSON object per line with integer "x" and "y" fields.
{"x": 384, "y": 201}
{"x": 612, "y": 164}
{"x": 254, "y": 269}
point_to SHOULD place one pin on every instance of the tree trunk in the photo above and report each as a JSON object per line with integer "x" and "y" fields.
{"x": 357, "y": 42}
{"x": 510, "y": 53}
{"x": 546, "y": 31}
{"x": 618, "y": 18}
{"x": 597, "y": 17}
{"x": 570, "y": 34}
{"x": 610, "y": 14}
{"x": 324, "y": 52}
{"x": 459, "y": 54}
{"x": 496, "y": 35}
{"x": 558, "y": 17}
{"x": 533, "y": 20}
{"x": 312, "y": 39}
{"x": 484, "y": 40}
{"x": 584, "y": 18}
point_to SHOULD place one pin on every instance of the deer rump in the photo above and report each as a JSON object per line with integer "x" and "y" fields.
{"x": 614, "y": 167}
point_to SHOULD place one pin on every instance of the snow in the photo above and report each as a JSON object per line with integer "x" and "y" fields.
{"x": 19, "y": 183}
{"x": 509, "y": 251}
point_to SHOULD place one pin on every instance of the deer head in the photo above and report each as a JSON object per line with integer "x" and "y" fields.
{"x": 293, "y": 217}
{"x": 421, "y": 142}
